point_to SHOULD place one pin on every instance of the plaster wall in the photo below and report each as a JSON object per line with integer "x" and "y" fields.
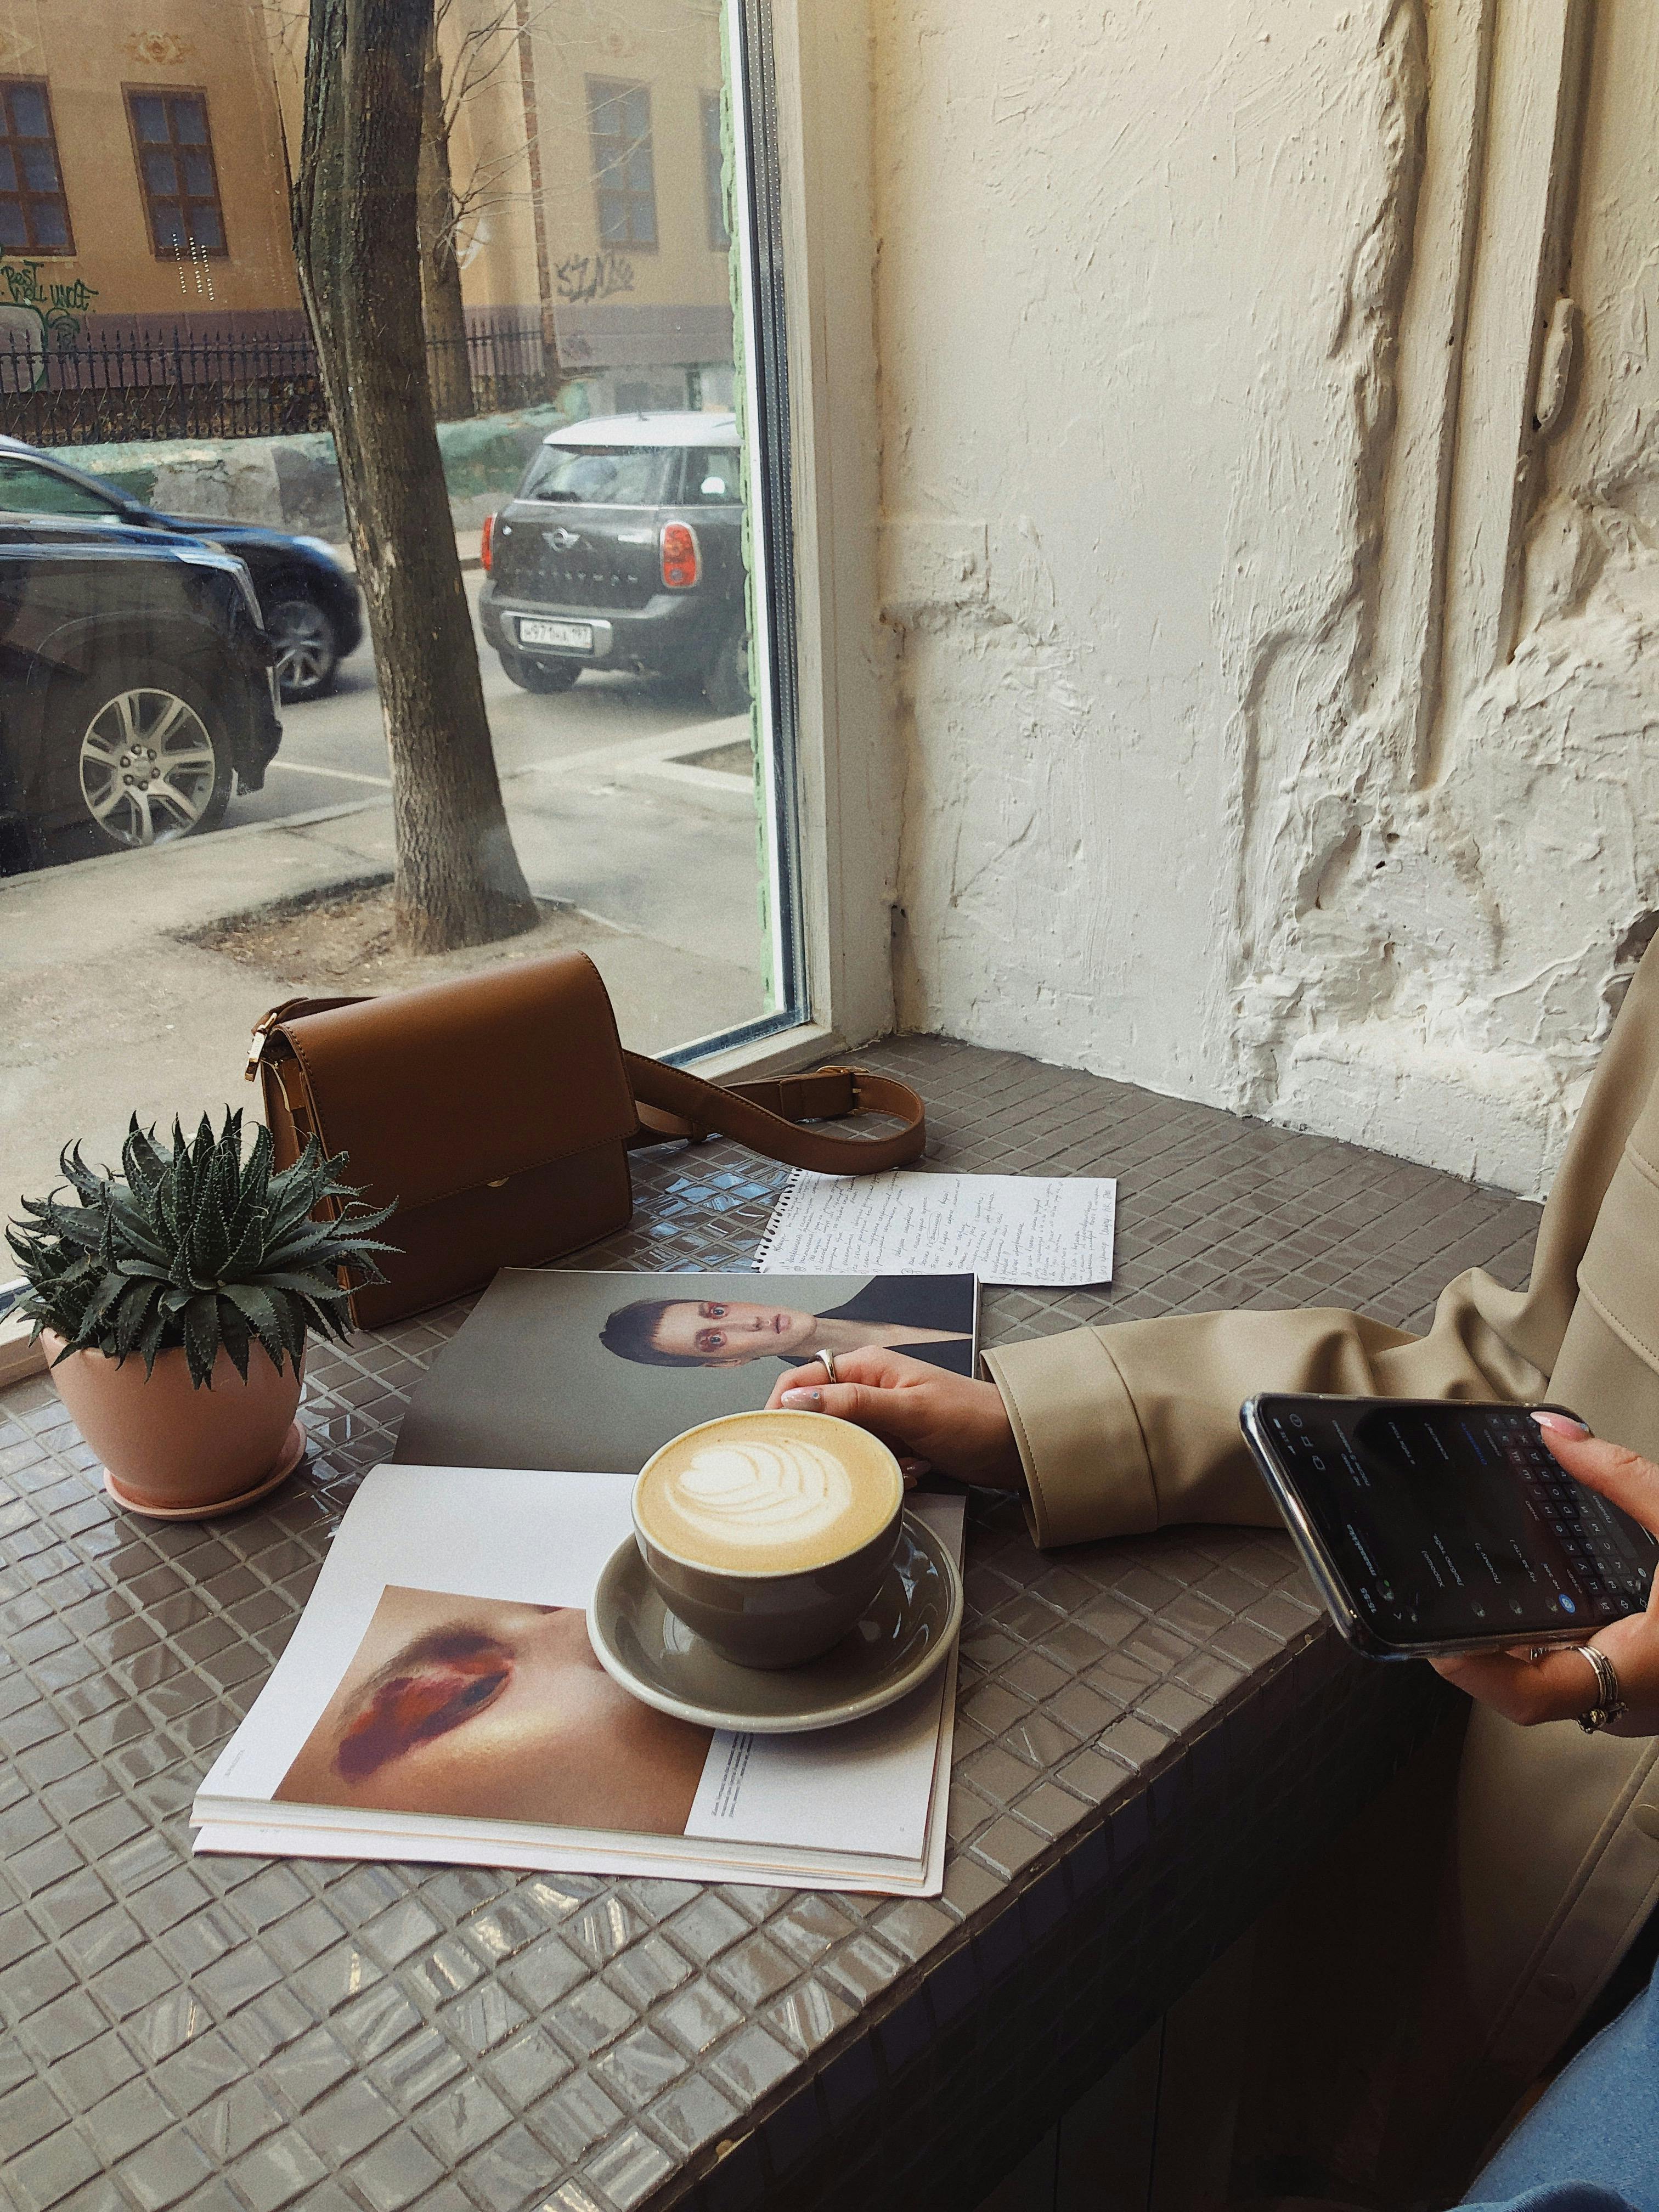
{"x": 1277, "y": 702}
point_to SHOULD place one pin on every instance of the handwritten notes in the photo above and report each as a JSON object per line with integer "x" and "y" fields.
{"x": 1038, "y": 1230}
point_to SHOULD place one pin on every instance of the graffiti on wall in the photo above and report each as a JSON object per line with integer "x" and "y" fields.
{"x": 593, "y": 276}
{"x": 38, "y": 317}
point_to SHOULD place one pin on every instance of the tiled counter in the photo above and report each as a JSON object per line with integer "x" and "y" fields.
{"x": 1152, "y": 1736}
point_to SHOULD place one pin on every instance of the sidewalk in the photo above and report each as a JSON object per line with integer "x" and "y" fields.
{"x": 652, "y": 859}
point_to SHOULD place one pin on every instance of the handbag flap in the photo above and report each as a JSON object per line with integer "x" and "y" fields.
{"x": 449, "y": 1085}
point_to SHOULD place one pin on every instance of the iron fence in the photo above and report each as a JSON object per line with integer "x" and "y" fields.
{"x": 187, "y": 385}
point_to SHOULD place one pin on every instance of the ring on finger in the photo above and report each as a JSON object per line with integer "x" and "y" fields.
{"x": 827, "y": 1361}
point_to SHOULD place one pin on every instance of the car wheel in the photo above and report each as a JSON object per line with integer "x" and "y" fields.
{"x": 725, "y": 686}
{"x": 308, "y": 652}
{"x": 538, "y": 675}
{"x": 141, "y": 757}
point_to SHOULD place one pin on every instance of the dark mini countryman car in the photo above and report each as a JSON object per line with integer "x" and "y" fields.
{"x": 623, "y": 547}
{"x": 137, "y": 686}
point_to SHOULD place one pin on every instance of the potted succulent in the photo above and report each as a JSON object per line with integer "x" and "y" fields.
{"x": 175, "y": 1300}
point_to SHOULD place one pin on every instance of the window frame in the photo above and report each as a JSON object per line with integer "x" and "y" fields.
{"x": 66, "y": 253}
{"x": 805, "y": 203}
{"x": 599, "y": 90}
{"x": 129, "y": 95}
{"x": 713, "y": 169}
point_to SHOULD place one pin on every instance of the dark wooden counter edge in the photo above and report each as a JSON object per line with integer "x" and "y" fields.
{"x": 943, "y": 2083}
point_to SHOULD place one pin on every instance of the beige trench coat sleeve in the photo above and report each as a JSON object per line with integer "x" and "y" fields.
{"x": 1128, "y": 1428}
{"x": 1557, "y": 1836}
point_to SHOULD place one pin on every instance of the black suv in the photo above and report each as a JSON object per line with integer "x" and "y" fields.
{"x": 311, "y": 612}
{"x": 623, "y": 547}
{"x": 137, "y": 684}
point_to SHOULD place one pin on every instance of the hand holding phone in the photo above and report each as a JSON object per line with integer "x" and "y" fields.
{"x": 1528, "y": 1689}
{"x": 1435, "y": 1528}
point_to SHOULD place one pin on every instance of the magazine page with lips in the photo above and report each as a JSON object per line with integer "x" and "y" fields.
{"x": 439, "y": 1700}
{"x": 482, "y": 1709}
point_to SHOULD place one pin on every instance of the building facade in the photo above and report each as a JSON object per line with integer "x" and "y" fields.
{"x": 142, "y": 178}
{"x": 146, "y": 145}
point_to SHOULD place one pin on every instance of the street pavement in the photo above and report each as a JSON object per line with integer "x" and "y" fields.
{"x": 652, "y": 855}
{"x": 334, "y": 749}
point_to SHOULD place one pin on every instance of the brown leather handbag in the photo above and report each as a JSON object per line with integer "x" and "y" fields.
{"x": 499, "y": 1112}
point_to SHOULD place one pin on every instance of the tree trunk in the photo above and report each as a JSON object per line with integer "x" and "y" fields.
{"x": 459, "y": 881}
{"x": 440, "y": 271}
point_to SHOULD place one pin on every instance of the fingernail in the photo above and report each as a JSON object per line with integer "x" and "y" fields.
{"x": 1559, "y": 1424}
{"x": 812, "y": 1399}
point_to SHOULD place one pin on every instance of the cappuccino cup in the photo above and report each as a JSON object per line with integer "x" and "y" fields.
{"x": 769, "y": 1534}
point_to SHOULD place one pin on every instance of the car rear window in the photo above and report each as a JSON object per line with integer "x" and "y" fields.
{"x": 598, "y": 476}
{"x": 711, "y": 476}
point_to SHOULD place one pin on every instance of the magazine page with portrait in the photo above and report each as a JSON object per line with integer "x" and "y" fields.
{"x": 440, "y": 1699}
{"x": 571, "y": 1368}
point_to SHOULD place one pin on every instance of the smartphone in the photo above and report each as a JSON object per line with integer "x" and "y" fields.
{"x": 1430, "y": 1526}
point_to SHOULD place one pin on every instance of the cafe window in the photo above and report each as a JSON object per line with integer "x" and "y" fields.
{"x": 612, "y": 455}
{"x": 624, "y": 179}
{"x": 176, "y": 171}
{"x": 34, "y": 212}
{"x": 713, "y": 174}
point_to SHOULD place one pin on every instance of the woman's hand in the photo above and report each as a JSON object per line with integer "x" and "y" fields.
{"x": 924, "y": 1414}
{"x": 1561, "y": 1685}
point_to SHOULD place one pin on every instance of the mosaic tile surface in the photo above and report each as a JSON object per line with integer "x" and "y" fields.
{"x": 1148, "y": 1732}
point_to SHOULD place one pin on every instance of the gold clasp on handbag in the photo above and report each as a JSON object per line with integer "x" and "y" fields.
{"x": 256, "y": 1043}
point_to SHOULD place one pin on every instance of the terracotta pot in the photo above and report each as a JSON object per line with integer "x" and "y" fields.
{"x": 168, "y": 1448}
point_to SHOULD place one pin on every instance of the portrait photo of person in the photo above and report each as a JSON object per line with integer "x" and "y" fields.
{"x": 920, "y": 1315}
{"x": 478, "y": 1708}
{"x": 596, "y": 1368}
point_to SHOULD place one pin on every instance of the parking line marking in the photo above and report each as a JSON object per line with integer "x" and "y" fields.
{"x": 340, "y": 774}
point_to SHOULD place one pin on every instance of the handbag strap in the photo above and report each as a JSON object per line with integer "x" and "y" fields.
{"x": 764, "y": 1114}
{"x": 671, "y": 1104}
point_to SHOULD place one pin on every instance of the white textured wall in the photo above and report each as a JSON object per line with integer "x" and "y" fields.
{"x": 1260, "y": 740}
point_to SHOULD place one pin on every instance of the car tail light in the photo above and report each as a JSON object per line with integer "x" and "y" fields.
{"x": 681, "y": 560}
{"x": 487, "y": 544}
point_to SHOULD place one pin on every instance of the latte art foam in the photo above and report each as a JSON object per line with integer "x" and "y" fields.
{"x": 767, "y": 1493}
{"x": 764, "y": 1490}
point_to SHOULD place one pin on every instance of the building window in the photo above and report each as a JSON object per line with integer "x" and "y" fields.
{"x": 175, "y": 168}
{"x": 625, "y": 182}
{"x": 33, "y": 213}
{"x": 713, "y": 173}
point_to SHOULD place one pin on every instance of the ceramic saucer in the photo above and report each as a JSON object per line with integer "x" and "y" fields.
{"x": 900, "y": 1640}
{"x": 293, "y": 1451}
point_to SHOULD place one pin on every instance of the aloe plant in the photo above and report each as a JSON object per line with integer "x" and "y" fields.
{"x": 195, "y": 1245}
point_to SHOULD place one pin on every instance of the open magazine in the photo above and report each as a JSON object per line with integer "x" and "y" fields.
{"x": 439, "y": 1700}
{"x": 574, "y": 1367}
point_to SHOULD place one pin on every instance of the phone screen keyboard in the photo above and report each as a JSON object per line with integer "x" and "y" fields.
{"x": 1447, "y": 1519}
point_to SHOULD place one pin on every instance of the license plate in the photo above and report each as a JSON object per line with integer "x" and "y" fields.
{"x": 575, "y": 637}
